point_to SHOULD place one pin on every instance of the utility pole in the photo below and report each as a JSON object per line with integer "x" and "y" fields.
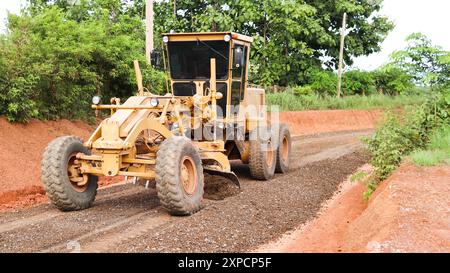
{"x": 341, "y": 54}
{"x": 175, "y": 8}
{"x": 149, "y": 46}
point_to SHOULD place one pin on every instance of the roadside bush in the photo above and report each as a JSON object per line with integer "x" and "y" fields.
{"x": 397, "y": 137}
{"x": 302, "y": 90}
{"x": 52, "y": 64}
{"x": 154, "y": 80}
{"x": 392, "y": 80}
{"x": 388, "y": 80}
{"x": 358, "y": 82}
{"x": 20, "y": 105}
{"x": 323, "y": 82}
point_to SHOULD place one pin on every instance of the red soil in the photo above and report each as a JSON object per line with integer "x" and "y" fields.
{"x": 326, "y": 232}
{"x": 21, "y": 147}
{"x": 313, "y": 122}
{"x": 407, "y": 213}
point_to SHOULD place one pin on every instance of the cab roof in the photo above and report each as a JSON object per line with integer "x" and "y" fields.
{"x": 192, "y": 36}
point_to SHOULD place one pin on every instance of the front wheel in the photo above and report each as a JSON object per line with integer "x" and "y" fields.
{"x": 67, "y": 188}
{"x": 179, "y": 176}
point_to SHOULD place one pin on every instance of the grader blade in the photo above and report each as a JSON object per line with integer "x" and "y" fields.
{"x": 229, "y": 175}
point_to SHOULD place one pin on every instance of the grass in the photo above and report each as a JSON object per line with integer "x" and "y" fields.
{"x": 437, "y": 151}
{"x": 358, "y": 176}
{"x": 287, "y": 101}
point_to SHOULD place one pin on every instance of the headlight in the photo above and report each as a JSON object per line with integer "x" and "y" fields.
{"x": 96, "y": 100}
{"x": 227, "y": 38}
{"x": 154, "y": 102}
{"x": 165, "y": 39}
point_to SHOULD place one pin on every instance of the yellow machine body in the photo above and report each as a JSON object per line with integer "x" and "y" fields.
{"x": 126, "y": 143}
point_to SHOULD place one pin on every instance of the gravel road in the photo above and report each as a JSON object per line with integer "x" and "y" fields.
{"x": 128, "y": 218}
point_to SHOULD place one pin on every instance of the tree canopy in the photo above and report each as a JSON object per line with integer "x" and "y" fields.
{"x": 291, "y": 36}
{"x": 427, "y": 64}
{"x": 58, "y": 53}
{"x": 55, "y": 58}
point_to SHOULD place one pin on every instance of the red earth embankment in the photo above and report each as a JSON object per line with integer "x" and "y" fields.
{"x": 409, "y": 212}
{"x": 314, "y": 122}
{"x": 325, "y": 233}
{"x": 22, "y": 145}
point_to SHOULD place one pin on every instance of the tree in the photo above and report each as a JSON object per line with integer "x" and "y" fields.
{"x": 366, "y": 29}
{"x": 392, "y": 80}
{"x": 58, "y": 53}
{"x": 358, "y": 82}
{"x": 424, "y": 62}
{"x": 55, "y": 59}
{"x": 291, "y": 36}
{"x": 323, "y": 82}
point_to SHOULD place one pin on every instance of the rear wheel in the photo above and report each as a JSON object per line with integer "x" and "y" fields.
{"x": 179, "y": 176}
{"x": 67, "y": 188}
{"x": 262, "y": 159}
{"x": 284, "y": 150}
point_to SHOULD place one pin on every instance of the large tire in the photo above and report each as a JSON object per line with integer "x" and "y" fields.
{"x": 179, "y": 176}
{"x": 284, "y": 150}
{"x": 262, "y": 159}
{"x": 54, "y": 175}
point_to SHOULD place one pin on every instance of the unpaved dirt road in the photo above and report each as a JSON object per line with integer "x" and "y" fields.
{"x": 128, "y": 218}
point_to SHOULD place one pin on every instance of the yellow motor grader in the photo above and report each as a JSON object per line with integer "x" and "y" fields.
{"x": 208, "y": 117}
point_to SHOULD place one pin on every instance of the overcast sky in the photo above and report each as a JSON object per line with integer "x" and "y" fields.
{"x": 431, "y": 17}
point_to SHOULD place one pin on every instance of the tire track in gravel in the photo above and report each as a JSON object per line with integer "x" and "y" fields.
{"x": 109, "y": 236}
{"x": 134, "y": 230}
{"x": 66, "y": 227}
{"x": 125, "y": 214}
{"x": 41, "y": 216}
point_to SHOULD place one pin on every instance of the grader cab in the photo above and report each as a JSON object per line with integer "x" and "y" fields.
{"x": 209, "y": 117}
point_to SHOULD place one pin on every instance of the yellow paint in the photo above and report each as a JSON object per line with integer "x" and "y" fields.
{"x": 114, "y": 141}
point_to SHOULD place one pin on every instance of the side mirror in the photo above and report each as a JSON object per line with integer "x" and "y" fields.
{"x": 155, "y": 59}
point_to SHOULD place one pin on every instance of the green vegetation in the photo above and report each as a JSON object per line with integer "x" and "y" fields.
{"x": 290, "y": 35}
{"x": 437, "y": 151}
{"x": 57, "y": 54}
{"x": 388, "y": 80}
{"x": 358, "y": 176}
{"x": 398, "y": 136}
{"x": 287, "y": 101}
{"x": 427, "y": 64}
{"x": 392, "y": 80}
{"x": 53, "y": 61}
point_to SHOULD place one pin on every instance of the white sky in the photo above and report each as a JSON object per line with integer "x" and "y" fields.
{"x": 431, "y": 17}
{"x": 12, "y": 6}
